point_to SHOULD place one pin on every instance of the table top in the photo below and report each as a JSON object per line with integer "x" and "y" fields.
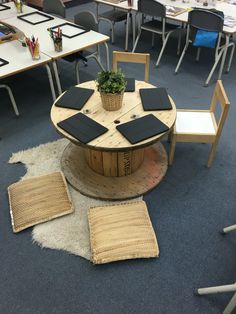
{"x": 19, "y": 58}
{"x": 113, "y": 140}
{"x": 6, "y": 14}
{"x": 70, "y": 45}
{"x": 227, "y": 8}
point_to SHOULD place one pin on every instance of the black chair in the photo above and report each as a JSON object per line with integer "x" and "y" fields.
{"x": 55, "y": 7}
{"x": 87, "y": 20}
{"x": 157, "y": 25}
{"x": 112, "y": 16}
{"x": 209, "y": 21}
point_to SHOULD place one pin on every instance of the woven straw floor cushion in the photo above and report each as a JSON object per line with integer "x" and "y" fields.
{"x": 38, "y": 199}
{"x": 119, "y": 232}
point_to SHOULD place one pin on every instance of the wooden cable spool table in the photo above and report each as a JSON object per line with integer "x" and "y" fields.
{"x": 109, "y": 167}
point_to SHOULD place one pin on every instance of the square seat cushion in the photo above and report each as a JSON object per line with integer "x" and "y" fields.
{"x": 195, "y": 122}
{"x": 38, "y": 199}
{"x": 119, "y": 232}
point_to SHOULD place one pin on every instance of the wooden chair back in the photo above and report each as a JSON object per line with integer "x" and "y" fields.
{"x": 220, "y": 97}
{"x": 131, "y": 57}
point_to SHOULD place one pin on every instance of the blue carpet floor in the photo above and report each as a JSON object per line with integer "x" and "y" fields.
{"x": 187, "y": 209}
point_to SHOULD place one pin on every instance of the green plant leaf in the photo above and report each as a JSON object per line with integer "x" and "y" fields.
{"x": 111, "y": 82}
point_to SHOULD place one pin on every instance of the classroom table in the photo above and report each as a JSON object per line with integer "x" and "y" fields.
{"x": 19, "y": 60}
{"x": 70, "y": 45}
{"x": 109, "y": 166}
{"x": 6, "y": 14}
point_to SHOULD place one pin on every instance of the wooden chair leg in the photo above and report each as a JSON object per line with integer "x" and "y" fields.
{"x": 172, "y": 138}
{"x": 170, "y": 134}
{"x": 212, "y": 154}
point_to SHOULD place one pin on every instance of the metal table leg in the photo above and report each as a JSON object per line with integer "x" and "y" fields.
{"x": 51, "y": 82}
{"x": 107, "y": 55}
{"x": 224, "y": 56}
{"x": 11, "y": 98}
{"x": 57, "y": 77}
{"x": 127, "y": 32}
{"x": 134, "y": 14}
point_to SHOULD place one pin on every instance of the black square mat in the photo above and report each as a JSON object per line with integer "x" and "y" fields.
{"x": 82, "y": 127}
{"x": 75, "y": 98}
{"x": 46, "y": 17}
{"x": 142, "y": 128}
{"x": 155, "y": 99}
{"x": 130, "y": 86}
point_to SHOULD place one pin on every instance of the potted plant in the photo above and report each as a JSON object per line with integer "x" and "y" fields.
{"x": 111, "y": 85}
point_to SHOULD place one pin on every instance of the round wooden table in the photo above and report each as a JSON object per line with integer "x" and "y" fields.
{"x": 109, "y": 167}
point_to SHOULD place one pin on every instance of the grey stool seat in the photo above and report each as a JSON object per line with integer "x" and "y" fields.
{"x": 113, "y": 15}
{"x": 156, "y": 26}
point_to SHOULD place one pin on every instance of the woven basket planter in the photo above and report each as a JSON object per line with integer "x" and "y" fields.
{"x": 112, "y": 102}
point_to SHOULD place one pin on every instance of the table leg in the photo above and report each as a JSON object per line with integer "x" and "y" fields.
{"x": 57, "y": 77}
{"x": 134, "y": 26}
{"x": 11, "y": 98}
{"x": 97, "y": 15}
{"x": 127, "y": 32}
{"x": 224, "y": 56}
{"x": 51, "y": 82}
{"x": 107, "y": 56}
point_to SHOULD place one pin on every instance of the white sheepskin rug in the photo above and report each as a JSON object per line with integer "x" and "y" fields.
{"x": 71, "y": 232}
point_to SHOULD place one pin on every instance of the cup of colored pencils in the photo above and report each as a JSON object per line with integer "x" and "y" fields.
{"x": 57, "y": 38}
{"x": 33, "y": 46}
{"x": 19, "y": 6}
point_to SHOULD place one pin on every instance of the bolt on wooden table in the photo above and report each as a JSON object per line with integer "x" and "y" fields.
{"x": 109, "y": 167}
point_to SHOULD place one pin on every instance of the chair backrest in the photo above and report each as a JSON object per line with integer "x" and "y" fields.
{"x": 86, "y": 19}
{"x": 119, "y": 56}
{"x": 220, "y": 97}
{"x": 206, "y": 20}
{"x": 152, "y": 8}
{"x": 56, "y": 7}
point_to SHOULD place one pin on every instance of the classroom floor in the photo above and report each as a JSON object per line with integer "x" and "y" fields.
{"x": 187, "y": 209}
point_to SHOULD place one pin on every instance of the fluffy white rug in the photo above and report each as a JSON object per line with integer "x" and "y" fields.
{"x": 71, "y": 232}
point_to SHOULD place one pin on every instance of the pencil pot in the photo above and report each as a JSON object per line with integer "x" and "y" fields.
{"x": 34, "y": 50}
{"x": 19, "y": 6}
{"x": 58, "y": 44}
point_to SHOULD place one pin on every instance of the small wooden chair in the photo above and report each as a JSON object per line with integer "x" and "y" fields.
{"x": 119, "y": 56}
{"x": 201, "y": 125}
